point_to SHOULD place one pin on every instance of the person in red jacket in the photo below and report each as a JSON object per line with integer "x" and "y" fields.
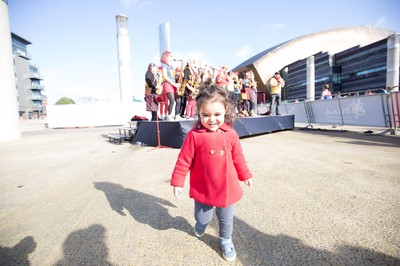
{"x": 212, "y": 153}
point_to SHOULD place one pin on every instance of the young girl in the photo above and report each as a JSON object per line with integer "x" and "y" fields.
{"x": 213, "y": 155}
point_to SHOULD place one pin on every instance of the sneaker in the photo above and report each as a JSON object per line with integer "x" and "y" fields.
{"x": 228, "y": 249}
{"x": 199, "y": 229}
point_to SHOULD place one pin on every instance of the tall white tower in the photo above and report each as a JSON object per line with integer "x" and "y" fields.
{"x": 393, "y": 61}
{"x": 9, "y": 107}
{"x": 124, "y": 59}
{"x": 164, "y": 37}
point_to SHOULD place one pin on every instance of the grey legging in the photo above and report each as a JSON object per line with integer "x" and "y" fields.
{"x": 204, "y": 213}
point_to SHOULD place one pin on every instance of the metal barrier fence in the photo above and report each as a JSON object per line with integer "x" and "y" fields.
{"x": 377, "y": 110}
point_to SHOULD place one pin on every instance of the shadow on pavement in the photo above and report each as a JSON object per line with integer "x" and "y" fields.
{"x": 144, "y": 208}
{"x": 257, "y": 248}
{"x": 86, "y": 247}
{"x": 18, "y": 255}
{"x": 253, "y": 247}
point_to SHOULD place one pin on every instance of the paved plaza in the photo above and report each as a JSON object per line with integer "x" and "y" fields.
{"x": 320, "y": 197}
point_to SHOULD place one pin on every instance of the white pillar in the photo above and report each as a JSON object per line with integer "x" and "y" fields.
{"x": 164, "y": 37}
{"x": 393, "y": 61}
{"x": 9, "y": 117}
{"x": 124, "y": 60}
{"x": 310, "y": 79}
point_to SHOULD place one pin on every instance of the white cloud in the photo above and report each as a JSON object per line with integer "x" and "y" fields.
{"x": 273, "y": 26}
{"x": 381, "y": 22}
{"x": 138, "y": 4}
{"x": 129, "y": 3}
{"x": 243, "y": 53}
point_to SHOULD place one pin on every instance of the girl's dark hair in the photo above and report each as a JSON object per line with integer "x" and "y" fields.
{"x": 215, "y": 93}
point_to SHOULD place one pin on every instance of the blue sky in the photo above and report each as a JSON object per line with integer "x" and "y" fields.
{"x": 74, "y": 41}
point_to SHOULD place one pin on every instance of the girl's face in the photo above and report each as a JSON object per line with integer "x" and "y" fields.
{"x": 212, "y": 115}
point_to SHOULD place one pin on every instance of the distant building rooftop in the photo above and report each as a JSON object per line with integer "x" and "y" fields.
{"x": 267, "y": 62}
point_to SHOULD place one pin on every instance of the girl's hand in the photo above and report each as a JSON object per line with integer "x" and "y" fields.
{"x": 249, "y": 182}
{"x": 177, "y": 192}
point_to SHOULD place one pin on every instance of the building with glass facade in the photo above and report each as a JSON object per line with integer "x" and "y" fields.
{"x": 31, "y": 101}
{"x": 350, "y": 60}
{"x": 352, "y": 71}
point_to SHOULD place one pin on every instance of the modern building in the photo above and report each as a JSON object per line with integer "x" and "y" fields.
{"x": 352, "y": 71}
{"x": 28, "y": 81}
{"x": 350, "y": 59}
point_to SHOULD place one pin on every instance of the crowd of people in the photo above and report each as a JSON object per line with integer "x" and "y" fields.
{"x": 326, "y": 94}
{"x": 170, "y": 91}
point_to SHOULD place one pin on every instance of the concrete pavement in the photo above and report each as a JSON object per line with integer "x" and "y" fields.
{"x": 321, "y": 197}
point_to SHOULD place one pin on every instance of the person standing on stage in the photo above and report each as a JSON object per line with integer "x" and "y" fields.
{"x": 222, "y": 78}
{"x": 235, "y": 95}
{"x": 190, "y": 111}
{"x": 152, "y": 85}
{"x": 277, "y": 83}
{"x": 162, "y": 98}
{"x": 250, "y": 88}
{"x": 212, "y": 153}
{"x": 189, "y": 81}
{"x": 169, "y": 84}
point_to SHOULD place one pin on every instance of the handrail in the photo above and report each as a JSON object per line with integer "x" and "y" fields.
{"x": 295, "y": 101}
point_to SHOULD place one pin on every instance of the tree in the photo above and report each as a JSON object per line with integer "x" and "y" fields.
{"x": 65, "y": 100}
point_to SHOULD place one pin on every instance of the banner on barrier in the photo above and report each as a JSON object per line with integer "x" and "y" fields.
{"x": 365, "y": 110}
{"x": 297, "y": 109}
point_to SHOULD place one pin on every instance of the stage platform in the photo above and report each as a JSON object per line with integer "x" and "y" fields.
{"x": 172, "y": 133}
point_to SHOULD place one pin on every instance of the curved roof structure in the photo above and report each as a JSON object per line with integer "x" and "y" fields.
{"x": 266, "y": 63}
